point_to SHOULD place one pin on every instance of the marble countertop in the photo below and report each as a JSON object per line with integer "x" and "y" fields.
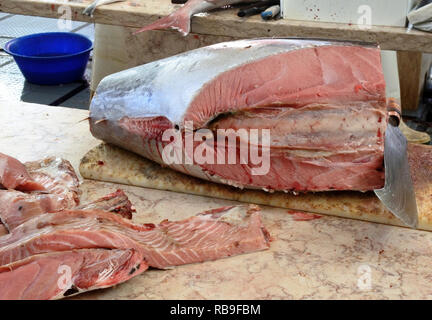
{"x": 325, "y": 258}
{"x": 137, "y": 13}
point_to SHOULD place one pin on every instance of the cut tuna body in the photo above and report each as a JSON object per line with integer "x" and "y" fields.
{"x": 208, "y": 236}
{"x": 323, "y": 103}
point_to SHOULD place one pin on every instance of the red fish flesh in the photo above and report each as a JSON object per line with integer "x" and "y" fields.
{"x": 117, "y": 202}
{"x": 210, "y": 235}
{"x": 14, "y": 175}
{"x": 61, "y": 274}
{"x": 52, "y": 256}
{"x": 323, "y": 102}
{"x": 58, "y": 179}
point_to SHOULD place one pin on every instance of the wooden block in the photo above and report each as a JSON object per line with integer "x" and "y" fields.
{"x": 112, "y": 164}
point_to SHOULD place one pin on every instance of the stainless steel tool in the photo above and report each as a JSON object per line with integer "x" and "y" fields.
{"x": 398, "y": 192}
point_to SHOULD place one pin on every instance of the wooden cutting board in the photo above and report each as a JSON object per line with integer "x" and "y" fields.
{"x": 112, "y": 164}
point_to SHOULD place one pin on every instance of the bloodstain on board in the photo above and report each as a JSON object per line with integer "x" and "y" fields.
{"x": 303, "y": 216}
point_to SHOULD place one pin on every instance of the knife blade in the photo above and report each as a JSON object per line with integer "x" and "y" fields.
{"x": 398, "y": 194}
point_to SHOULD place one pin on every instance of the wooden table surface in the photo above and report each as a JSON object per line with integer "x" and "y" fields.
{"x": 137, "y": 13}
{"x": 326, "y": 258}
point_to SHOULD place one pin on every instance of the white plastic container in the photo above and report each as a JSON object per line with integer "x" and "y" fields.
{"x": 373, "y": 12}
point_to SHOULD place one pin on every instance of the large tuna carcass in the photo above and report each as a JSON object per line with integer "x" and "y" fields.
{"x": 314, "y": 113}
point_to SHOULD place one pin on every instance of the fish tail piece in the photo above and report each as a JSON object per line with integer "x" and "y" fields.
{"x": 179, "y": 20}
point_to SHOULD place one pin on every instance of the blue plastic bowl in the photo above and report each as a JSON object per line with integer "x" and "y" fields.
{"x": 51, "y": 58}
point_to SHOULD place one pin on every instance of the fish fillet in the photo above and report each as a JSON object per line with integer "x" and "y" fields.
{"x": 61, "y": 191}
{"x": 14, "y": 175}
{"x": 60, "y": 183}
{"x": 48, "y": 252}
{"x": 323, "y": 102}
{"x": 117, "y": 202}
{"x": 61, "y": 274}
{"x": 208, "y": 236}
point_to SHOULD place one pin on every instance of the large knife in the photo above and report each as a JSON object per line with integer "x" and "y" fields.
{"x": 398, "y": 193}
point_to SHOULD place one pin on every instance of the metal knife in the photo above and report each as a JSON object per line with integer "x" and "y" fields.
{"x": 398, "y": 193}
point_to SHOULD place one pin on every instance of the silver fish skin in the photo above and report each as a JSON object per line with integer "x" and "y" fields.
{"x": 92, "y": 7}
{"x": 180, "y": 19}
{"x": 150, "y": 90}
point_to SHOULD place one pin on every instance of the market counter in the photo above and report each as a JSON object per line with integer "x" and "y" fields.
{"x": 138, "y": 13}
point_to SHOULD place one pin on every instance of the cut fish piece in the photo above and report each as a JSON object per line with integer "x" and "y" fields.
{"x": 61, "y": 186}
{"x": 211, "y": 235}
{"x": 14, "y": 175}
{"x": 17, "y": 207}
{"x": 116, "y": 202}
{"x": 57, "y": 176}
{"x": 322, "y": 101}
{"x": 60, "y": 274}
{"x": 60, "y": 183}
